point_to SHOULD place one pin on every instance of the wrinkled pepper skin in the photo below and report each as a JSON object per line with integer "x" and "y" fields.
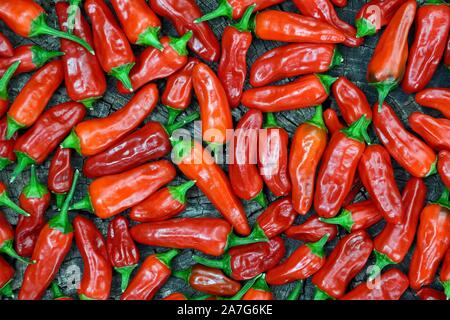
{"x": 182, "y": 14}
{"x": 278, "y": 217}
{"x": 60, "y": 174}
{"x": 435, "y": 131}
{"x": 312, "y": 230}
{"x": 430, "y": 294}
{"x": 6, "y": 48}
{"x": 332, "y": 121}
{"x": 444, "y": 167}
{"x": 444, "y": 276}
{"x": 436, "y": 98}
{"x": 7, "y": 155}
{"x": 6, "y": 276}
{"x": 432, "y": 29}
{"x": 97, "y": 272}
{"x": 235, "y": 9}
{"x": 410, "y": 152}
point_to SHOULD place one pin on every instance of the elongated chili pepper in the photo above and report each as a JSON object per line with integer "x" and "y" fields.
{"x": 27, "y": 19}
{"x": 244, "y": 175}
{"x": 259, "y": 291}
{"x": 7, "y": 155}
{"x": 246, "y": 262}
{"x": 6, "y": 276}
{"x": 338, "y": 168}
{"x": 7, "y": 240}
{"x": 444, "y": 167}
{"x": 436, "y": 98}
{"x": 277, "y": 217}
{"x": 332, "y": 121}
{"x": 211, "y": 236}
{"x": 6, "y": 201}
{"x": 151, "y": 276}
{"x": 34, "y": 96}
{"x": 122, "y": 251}
{"x": 409, "y": 151}
{"x": 96, "y": 135}
{"x": 57, "y": 293}
{"x": 84, "y": 78}
{"x": 51, "y": 248}
{"x": 432, "y": 28}
{"x": 109, "y": 195}
{"x": 34, "y": 199}
{"x": 34, "y": 146}
{"x": 346, "y": 260}
{"x": 293, "y": 60}
{"x": 153, "y": 64}
{"x": 307, "y": 148}
{"x": 323, "y": 10}
{"x": 4, "y": 82}
{"x": 6, "y": 48}
{"x": 430, "y": 294}
{"x": 445, "y": 274}
{"x": 198, "y": 165}
{"x": 312, "y": 230}
{"x": 60, "y": 174}
{"x": 435, "y": 131}
{"x": 390, "y": 286}
{"x": 308, "y": 91}
{"x": 430, "y": 250}
{"x": 305, "y": 261}
{"x": 111, "y": 45}
{"x": 387, "y": 65}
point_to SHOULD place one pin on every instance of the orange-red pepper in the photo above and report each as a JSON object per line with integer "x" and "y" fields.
{"x": 332, "y": 121}
{"x": 436, "y": 98}
{"x": 444, "y": 167}
{"x": 312, "y": 230}
{"x": 60, "y": 174}
{"x": 6, "y": 276}
{"x": 277, "y": 217}
{"x": 430, "y": 294}
{"x": 435, "y": 131}
{"x": 6, "y": 48}
{"x": 339, "y": 3}
{"x": 4, "y": 83}
{"x": 259, "y": 291}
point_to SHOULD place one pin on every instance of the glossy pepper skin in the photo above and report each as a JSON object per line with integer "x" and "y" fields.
{"x": 182, "y": 14}
{"x": 293, "y": 60}
{"x": 96, "y": 135}
{"x": 432, "y": 29}
{"x": 34, "y": 96}
{"x": 332, "y": 121}
{"x": 34, "y": 199}
{"x": 339, "y": 3}
{"x": 307, "y": 148}
{"x": 122, "y": 251}
{"x": 312, "y": 230}
{"x": 4, "y": 83}
{"x": 388, "y": 63}
{"x": 60, "y": 174}
{"x": 410, "y": 152}
{"x": 212, "y": 236}
{"x": 151, "y": 276}
{"x": 7, "y": 239}
{"x": 35, "y": 145}
{"x": 346, "y": 260}
{"x": 444, "y": 276}
{"x": 111, "y": 45}
{"x": 84, "y": 78}
{"x": 6, "y": 48}
{"x": 277, "y": 217}
{"x": 430, "y": 294}
{"x": 259, "y": 291}
{"x": 7, "y": 155}
{"x": 444, "y": 167}
{"x": 436, "y": 98}
{"x": 435, "y": 131}
{"x": 6, "y": 276}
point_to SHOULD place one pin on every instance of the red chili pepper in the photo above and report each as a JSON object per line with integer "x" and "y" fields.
{"x": 109, "y": 195}
{"x": 432, "y": 28}
{"x": 57, "y": 293}
{"x": 430, "y": 294}
{"x": 293, "y": 60}
{"x": 332, "y": 121}
{"x": 339, "y": 3}
{"x": 60, "y": 174}
{"x": 6, "y": 201}
{"x": 34, "y": 96}
{"x": 312, "y": 230}
{"x": 388, "y": 63}
{"x": 390, "y": 286}
{"x": 4, "y": 83}
{"x": 436, "y": 98}
{"x": 7, "y": 239}
{"x": 35, "y": 145}
{"x": 6, "y": 276}
{"x": 445, "y": 274}
{"x": 308, "y": 145}
{"x": 211, "y": 236}
{"x": 435, "y": 131}
{"x": 96, "y": 135}
{"x": 346, "y": 260}
{"x": 122, "y": 251}
{"x": 433, "y": 240}
{"x": 151, "y": 276}
{"x": 111, "y": 45}
{"x": 305, "y": 261}
{"x": 6, "y": 48}
{"x": 7, "y": 155}
{"x": 53, "y": 245}
{"x": 410, "y": 152}
{"x": 84, "y": 78}
{"x": 259, "y": 291}
{"x": 34, "y": 199}
{"x": 323, "y": 10}
{"x": 444, "y": 167}
{"x": 355, "y": 189}
{"x": 447, "y": 54}
{"x": 27, "y": 19}
{"x": 338, "y": 168}
{"x": 246, "y": 262}
{"x": 277, "y": 217}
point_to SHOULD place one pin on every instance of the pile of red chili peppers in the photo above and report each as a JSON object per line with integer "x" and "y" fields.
{"x": 132, "y": 163}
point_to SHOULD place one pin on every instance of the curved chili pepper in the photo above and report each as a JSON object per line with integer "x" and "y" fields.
{"x": 109, "y": 195}
{"x": 409, "y": 151}
{"x": 96, "y": 135}
{"x": 307, "y": 148}
{"x": 436, "y": 98}
{"x": 433, "y": 240}
{"x": 445, "y": 274}
{"x": 307, "y": 91}
{"x": 7, "y": 155}
{"x": 346, "y": 260}
{"x": 150, "y": 277}
{"x": 211, "y": 236}
{"x": 435, "y": 131}
{"x": 387, "y": 65}
{"x": 57, "y": 293}
{"x": 111, "y": 45}
{"x": 430, "y": 294}
{"x": 163, "y": 204}
{"x": 338, "y": 168}
{"x": 312, "y": 230}
{"x": 34, "y": 96}
{"x": 7, "y": 239}
{"x": 246, "y": 262}
{"x": 34, "y": 199}
{"x": 35, "y": 145}
{"x": 259, "y": 291}
{"x": 60, "y": 174}
{"x": 277, "y": 217}
{"x": 122, "y": 251}
{"x": 155, "y": 64}
{"x": 332, "y": 121}
{"x": 51, "y": 248}
{"x": 6, "y": 48}
{"x": 4, "y": 82}
{"x": 305, "y": 261}
{"x": 84, "y": 78}
{"x": 323, "y": 10}
{"x": 293, "y": 60}
{"x": 444, "y": 167}
{"x": 6, "y": 201}
{"x": 432, "y": 28}
{"x": 6, "y": 276}
{"x": 27, "y": 19}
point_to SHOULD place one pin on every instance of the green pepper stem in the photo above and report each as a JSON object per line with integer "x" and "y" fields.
{"x": 434, "y": 2}
{"x": 150, "y": 37}
{"x": 84, "y": 204}
{"x": 184, "y": 274}
{"x": 180, "y": 124}
{"x": 344, "y": 220}
{"x": 7, "y": 248}
{"x": 56, "y": 291}
{"x": 247, "y": 286}
{"x": 317, "y": 247}
{"x": 166, "y": 257}
{"x": 358, "y": 129}
{"x": 261, "y": 199}
{"x": 326, "y": 81}
{"x": 223, "y": 264}
{"x": 34, "y": 189}
{"x": 433, "y": 169}
{"x": 295, "y": 293}
{"x": 125, "y": 274}
{"x": 244, "y": 24}
{"x": 257, "y": 235}
{"x": 261, "y": 284}
{"x": 181, "y": 148}
{"x": 381, "y": 261}
{"x": 72, "y": 142}
{"x": 446, "y": 285}
{"x": 122, "y": 73}
{"x": 321, "y": 295}
{"x": 72, "y": 11}
{"x": 337, "y": 59}
{"x": 89, "y": 103}
{"x": 271, "y": 121}
{"x": 6, "y": 290}
{"x": 443, "y": 199}
{"x": 85, "y": 297}
{"x": 223, "y": 10}
{"x": 60, "y": 199}
{"x": 364, "y": 28}
{"x": 23, "y": 161}
{"x": 6, "y": 201}
{"x": 40, "y": 56}
{"x": 12, "y": 127}
{"x": 4, "y": 81}
{"x": 179, "y": 44}
{"x": 179, "y": 192}
{"x": 383, "y": 89}
{"x": 4, "y": 162}
{"x": 172, "y": 115}
{"x": 317, "y": 119}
